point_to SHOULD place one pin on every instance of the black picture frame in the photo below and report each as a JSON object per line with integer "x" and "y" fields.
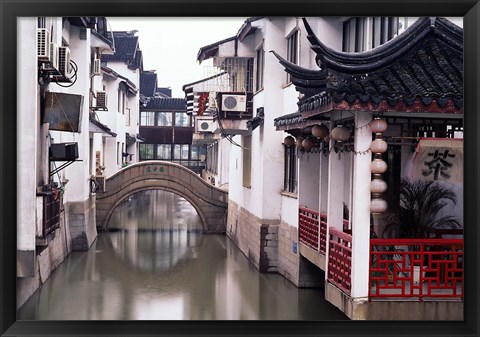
{"x": 10, "y": 10}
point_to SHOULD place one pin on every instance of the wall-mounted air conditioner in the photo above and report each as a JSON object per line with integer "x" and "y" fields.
{"x": 97, "y": 70}
{"x": 63, "y": 152}
{"x": 54, "y": 55}
{"x": 43, "y": 44}
{"x": 101, "y": 98}
{"x": 205, "y": 125}
{"x": 234, "y": 102}
{"x": 64, "y": 60}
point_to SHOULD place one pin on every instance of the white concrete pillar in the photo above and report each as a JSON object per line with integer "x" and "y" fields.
{"x": 336, "y": 184}
{"x": 360, "y": 215}
{"x": 27, "y": 133}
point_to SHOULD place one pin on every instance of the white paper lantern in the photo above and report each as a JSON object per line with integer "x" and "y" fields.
{"x": 378, "y": 125}
{"x": 378, "y": 186}
{"x": 379, "y": 146}
{"x": 378, "y": 206}
{"x": 320, "y": 131}
{"x": 378, "y": 166}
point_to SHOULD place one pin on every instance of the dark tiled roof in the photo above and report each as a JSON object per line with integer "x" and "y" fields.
{"x": 126, "y": 45}
{"x": 421, "y": 66}
{"x": 167, "y": 92}
{"x": 167, "y": 104}
{"x": 148, "y": 83}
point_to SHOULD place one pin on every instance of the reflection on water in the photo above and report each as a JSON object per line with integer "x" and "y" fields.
{"x": 156, "y": 265}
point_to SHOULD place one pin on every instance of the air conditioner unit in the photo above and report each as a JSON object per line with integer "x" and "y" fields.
{"x": 101, "y": 97}
{"x": 234, "y": 102}
{"x": 64, "y": 61}
{"x": 101, "y": 181}
{"x": 54, "y": 55}
{"x": 206, "y": 125}
{"x": 43, "y": 44}
{"x": 64, "y": 152}
{"x": 97, "y": 67}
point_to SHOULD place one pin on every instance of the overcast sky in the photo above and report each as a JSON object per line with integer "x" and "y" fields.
{"x": 170, "y": 45}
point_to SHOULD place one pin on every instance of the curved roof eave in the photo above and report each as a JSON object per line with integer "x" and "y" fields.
{"x": 303, "y": 77}
{"x": 374, "y": 59}
{"x": 209, "y": 51}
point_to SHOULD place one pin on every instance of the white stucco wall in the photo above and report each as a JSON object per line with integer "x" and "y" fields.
{"x": 28, "y": 114}
{"x": 309, "y": 180}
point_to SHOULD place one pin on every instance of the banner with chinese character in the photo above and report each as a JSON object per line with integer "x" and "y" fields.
{"x": 438, "y": 160}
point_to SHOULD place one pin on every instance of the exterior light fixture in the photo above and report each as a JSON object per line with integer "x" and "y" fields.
{"x": 320, "y": 131}
{"x": 378, "y": 166}
{"x": 289, "y": 141}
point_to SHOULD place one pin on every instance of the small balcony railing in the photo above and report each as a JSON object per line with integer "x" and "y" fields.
{"x": 416, "y": 268}
{"x": 52, "y": 201}
{"x": 313, "y": 229}
{"x": 340, "y": 260}
{"x": 309, "y": 227}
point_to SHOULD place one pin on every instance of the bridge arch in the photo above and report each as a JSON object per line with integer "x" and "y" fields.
{"x": 210, "y": 202}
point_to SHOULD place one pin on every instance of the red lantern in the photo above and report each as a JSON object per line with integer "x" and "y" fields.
{"x": 299, "y": 143}
{"x": 289, "y": 141}
{"x": 320, "y": 131}
{"x": 340, "y": 134}
{"x": 308, "y": 143}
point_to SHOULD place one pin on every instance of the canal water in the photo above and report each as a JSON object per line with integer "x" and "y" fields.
{"x": 155, "y": 264}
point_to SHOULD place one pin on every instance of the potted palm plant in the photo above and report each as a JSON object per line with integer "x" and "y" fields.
{"x": 417, "y": 214}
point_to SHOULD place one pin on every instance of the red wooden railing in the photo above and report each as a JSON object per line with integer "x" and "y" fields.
{"x": 308, "y": 227}
{"x": 323, "y": 233}
{"x": 313, "y": 224}
{"x": 392, "y": 268}
{"x": 340, "y": 259}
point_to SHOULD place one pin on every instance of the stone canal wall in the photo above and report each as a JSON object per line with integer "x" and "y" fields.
{"x": 256, "y": 238}
{"x": 271, "y": 247}
{"x": 46, "y": 261}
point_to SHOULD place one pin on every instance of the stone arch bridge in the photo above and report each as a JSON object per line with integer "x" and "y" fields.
{"x": 210, "y": 202}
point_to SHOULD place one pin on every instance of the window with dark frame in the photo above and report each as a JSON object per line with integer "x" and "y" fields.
{"x": 146, "y": 151}
{"x": 383, "y": 29}
{"x": 290, "y": 170}
{"x": 164, "y": 119}
{"x": 354, "y": 34}
{"x": 147, "y": 118}
{"x": 260, "y": 62}
{"x": 292, "y": 50}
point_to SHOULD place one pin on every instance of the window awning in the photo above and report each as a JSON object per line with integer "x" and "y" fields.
{"x": 97, "y": 127}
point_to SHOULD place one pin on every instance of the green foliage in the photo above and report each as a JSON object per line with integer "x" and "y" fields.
{"x": 416, "y": 216}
